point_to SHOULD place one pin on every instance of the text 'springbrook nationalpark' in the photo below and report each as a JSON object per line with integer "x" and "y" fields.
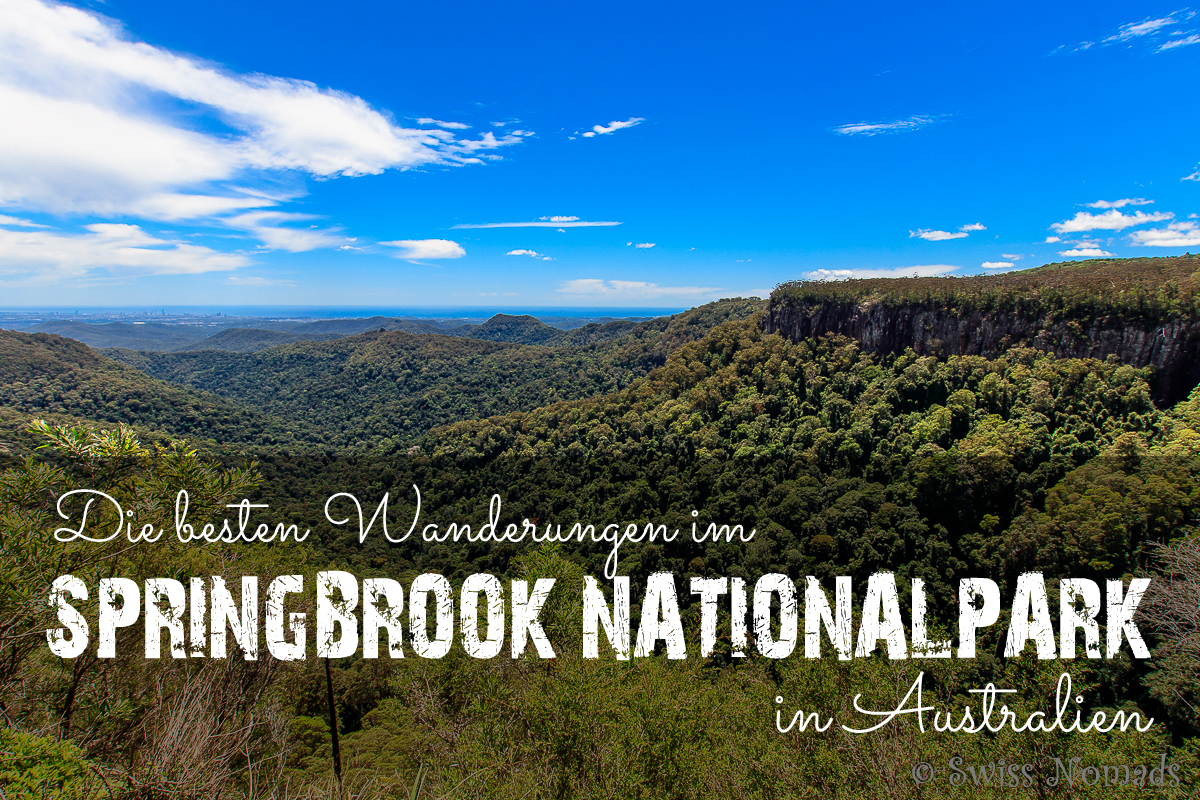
{"x": 168, "y": 602}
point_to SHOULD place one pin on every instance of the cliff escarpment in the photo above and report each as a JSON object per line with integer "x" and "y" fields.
{"x": 1143, "y": 311}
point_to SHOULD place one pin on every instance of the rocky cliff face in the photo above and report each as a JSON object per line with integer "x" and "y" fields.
{"x": 1172, "y": 346}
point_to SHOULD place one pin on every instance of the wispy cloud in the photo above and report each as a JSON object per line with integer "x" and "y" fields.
{"x": 456, "y": 126}
{"x": 919, "y": 271}
{"x": 1128, "y": 201}
{"x": 1184, "y": 42}
{"x": 1013, "y": 256}
{"x": 267, "y": 227}
{"x": 1112, "y": 220}
{"x": 120, "y": 249}
{"x": 19, "y": 223}
{"x": 530, "y": 253}
{"x": 552, "y": 222}
{"x": 1147, "y": 27}
{"x": 641, "y": 245}
{"x": 941, "y": 236}
{"x": 1195, "y": 176}
{"x": 612, "y": 127}
{"x": 1177, "y": 234}
{"x": 1151, "y": 29}
{"x": 1053, "y": 240}
{"x": 997, "y": 265}
{"x": 630, "y": 289}
{"x": 100, "y": 136}
{"x": 906, "y": 125}
{"x": 418, "y": 249}
{"x": 255, "y": 280}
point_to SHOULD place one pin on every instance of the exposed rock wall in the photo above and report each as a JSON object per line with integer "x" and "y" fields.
{"x": 1172, "y": 346}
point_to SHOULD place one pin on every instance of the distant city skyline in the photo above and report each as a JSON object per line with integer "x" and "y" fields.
{"x": 637, "y": 156}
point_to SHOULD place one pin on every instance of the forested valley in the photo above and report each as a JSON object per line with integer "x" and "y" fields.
{"x": 845, "y": 460}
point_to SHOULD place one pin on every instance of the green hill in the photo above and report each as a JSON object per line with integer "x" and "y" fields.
{"x": 45, "y": 374}
{"x": 251, "y": 340}
{"x": 522, "y": 330}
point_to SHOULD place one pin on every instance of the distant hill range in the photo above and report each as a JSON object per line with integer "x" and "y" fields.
{"x": 264, "y": 333}
{"x": 1143, "y": 311}
{"x": 352, "y": 392}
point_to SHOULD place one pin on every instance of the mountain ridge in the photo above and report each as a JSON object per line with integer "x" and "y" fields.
{"x": 1146, "y": 312}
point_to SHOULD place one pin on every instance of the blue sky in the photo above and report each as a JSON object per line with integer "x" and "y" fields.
{"x": 409, "y": 154}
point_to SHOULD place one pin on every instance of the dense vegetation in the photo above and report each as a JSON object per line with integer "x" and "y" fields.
{"x": 1157, "y": 288}
{"x": 845, "y": 462}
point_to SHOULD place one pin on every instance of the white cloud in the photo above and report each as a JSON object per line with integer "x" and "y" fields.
{"x": 1184, "y": 42}
{"x": 1085, "y": 248}
{"x": 121, "y": 249}
{"x": 1112, "y": 220}
{"x": 541, "y": 223}
{"x": 1052, "y": 240}
{"x": 936, "y": 236}
{"x": 530, "y": 253}
{"x": 255, "y": 280}
{"x": 1128, "y": 201}
{"x": 94, "y": 126}
{"x": 559, "y": 220}
{"x": 615, "y": 125}
{"x": 907, "y": 125}
{"x": 920, "y": 271}
{"x": 630, "y": 289}
{"x": 1085, "y": 252}
{"x": 974, "y": 226}
{"x": 1195, "y": 176}
{"x": 997, "y": 264}
{"x": 1013, "y": 256}
{"x": 413, "y": 249}
{"x": 1177, "y": 234}
{"x": 641, "y": 245}
{"x": 456, "y": 126}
